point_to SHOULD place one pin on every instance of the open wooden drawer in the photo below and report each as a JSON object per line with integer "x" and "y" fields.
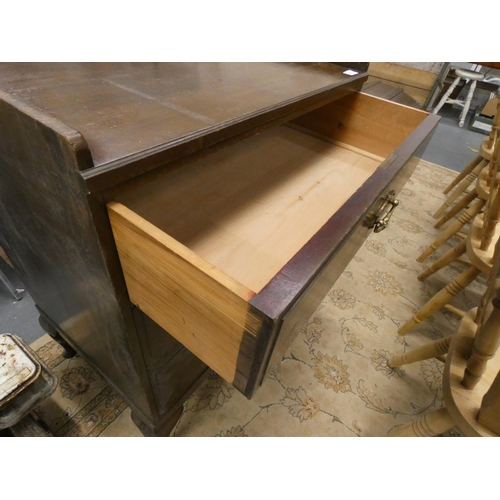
{"x": 231, "y": 254}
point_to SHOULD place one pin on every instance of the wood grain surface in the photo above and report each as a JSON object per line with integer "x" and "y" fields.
{"x": 249, "y": 208}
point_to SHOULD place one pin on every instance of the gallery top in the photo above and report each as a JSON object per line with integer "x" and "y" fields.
{"x": 129, "y": 111}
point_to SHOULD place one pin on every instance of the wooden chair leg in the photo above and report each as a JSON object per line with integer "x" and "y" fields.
{"x": 489, "y": 413}
{"x": 485, "y": 346}
{"x": 449, "y": 257}
{"x": 429, "y": 424}
{"x": 430, "y": 350}
{"x": 443, "y": 100}
{"x": 464, "y": 184}
{"x": 468, "y": 99}
{"x": 453, "y": 229}
{"x": 441, "y": 298}
{"x": 491, "y": 220}
{"x": 464, "y": 173}
{"x": 463, "y": 203}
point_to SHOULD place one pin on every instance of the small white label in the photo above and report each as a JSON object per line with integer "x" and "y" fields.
{"x": 350, "y": 72}
{"x": 483, "y": 126}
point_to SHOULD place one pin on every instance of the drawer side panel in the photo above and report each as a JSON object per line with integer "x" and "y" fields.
{"x": 206, "y": 316}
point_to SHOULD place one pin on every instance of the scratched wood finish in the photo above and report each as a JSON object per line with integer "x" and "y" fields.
{"x": 130, "y": 112}
{"x": 53, "y": 243}
{"x": 174, "y": 371}
{"x": 121, "y": 120}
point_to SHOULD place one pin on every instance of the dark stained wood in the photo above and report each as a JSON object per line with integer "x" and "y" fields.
{"x": 74, "y": 133}
{"x": 51, "y": 330}
{"x": 54, "y": 245}
{"x": 495, "y": 65}
{"x": 139, "y": 116}
{"x": 358, "y": 66}
{"x": 160, "y": 429}
{"x": 174, "y": 371}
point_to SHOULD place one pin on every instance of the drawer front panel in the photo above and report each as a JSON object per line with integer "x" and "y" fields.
{"x": 204, "y": 310}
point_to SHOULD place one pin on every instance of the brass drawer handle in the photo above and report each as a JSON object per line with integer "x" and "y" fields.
{"x": 384, "y": 216}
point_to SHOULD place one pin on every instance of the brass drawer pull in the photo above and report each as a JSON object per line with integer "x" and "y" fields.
{"x": 384, "y": 216}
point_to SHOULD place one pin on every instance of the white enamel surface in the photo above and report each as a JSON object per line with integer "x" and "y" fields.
{"x": 15, "y": 366}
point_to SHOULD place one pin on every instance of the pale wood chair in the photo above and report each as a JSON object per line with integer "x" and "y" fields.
{"x": 471, "y": 377}
{"x": 484, "y": 153}
{"x": 477, "y": 246}
{"x": 484, "y": 176}
{"x": 481, "y": 171}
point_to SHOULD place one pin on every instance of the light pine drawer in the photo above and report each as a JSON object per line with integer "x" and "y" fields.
{"x": 232, "y": 253}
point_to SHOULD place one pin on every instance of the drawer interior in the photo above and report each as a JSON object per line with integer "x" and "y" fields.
{"x": 197, "y": 243}
{"x": 249, "y": 208}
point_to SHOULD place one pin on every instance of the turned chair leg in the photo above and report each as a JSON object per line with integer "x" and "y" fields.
{"x": 458, "y": 207}
{"x": 444, "y": 296}
{"x": 430, "y": 350}
{"x": 450, "y": 256}
{"x": 446, "y": 95}
{"x": 465, "y": 172}
{"x": 457, "y": 192}
{"x": 453, "y": 229}
{"x": 489, "y": 413}
{"x": 463, "y": 114}
{"x": 429, "y": 424}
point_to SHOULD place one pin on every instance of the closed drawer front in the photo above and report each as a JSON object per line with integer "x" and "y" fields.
{"x": 231, "y": 253}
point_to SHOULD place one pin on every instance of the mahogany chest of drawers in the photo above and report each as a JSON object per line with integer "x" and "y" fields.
{"x": 169, "y": 217}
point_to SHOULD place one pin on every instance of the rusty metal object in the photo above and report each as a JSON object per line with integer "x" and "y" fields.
{"x": 18, "y": 368}
{"x": 24, "y": 393}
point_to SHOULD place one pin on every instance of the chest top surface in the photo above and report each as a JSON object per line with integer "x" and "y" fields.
{"x": 126, "y": 110}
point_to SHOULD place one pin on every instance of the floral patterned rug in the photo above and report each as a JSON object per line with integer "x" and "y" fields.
{"x": 334, "y": 380}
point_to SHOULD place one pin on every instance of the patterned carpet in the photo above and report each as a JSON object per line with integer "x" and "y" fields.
{"x": 334, "y": 380}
